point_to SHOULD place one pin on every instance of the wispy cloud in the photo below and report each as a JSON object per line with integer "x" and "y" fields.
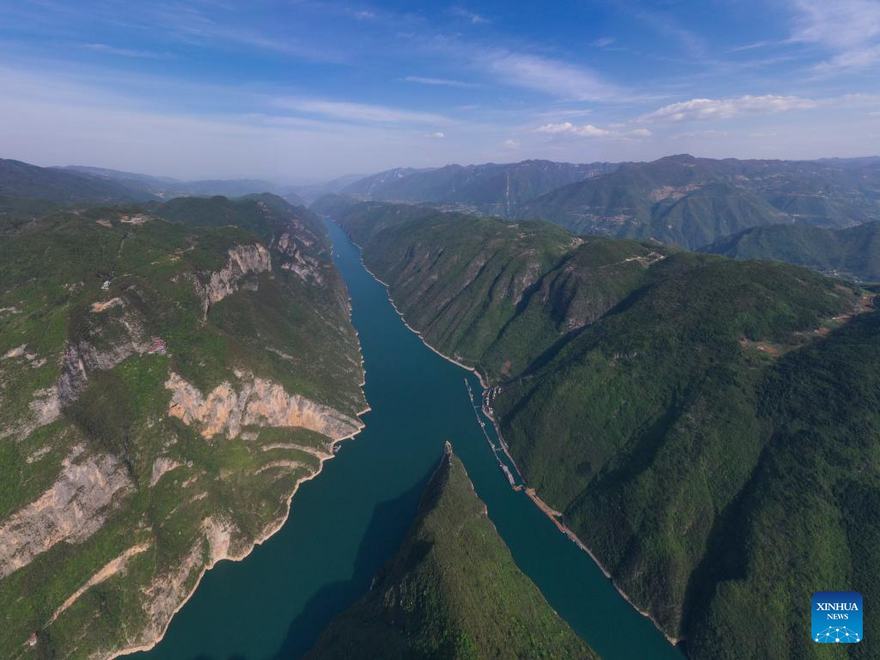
{"x": 360, "y": 112}
{"x": 560, "y": 79}
{"x": 752, "y": 46}
{"x": 849, "y": 29}
{"x": 442, "y": 82}
{"x": 437, "y": 135}
{"x": 125, "y": 52}
{"x": 664, "y": 24}
{"x": 702, "y": 109}
{"x": 473, "y": 18}
{"x": 603, "y": 42}
{"x": 567, "y": 129}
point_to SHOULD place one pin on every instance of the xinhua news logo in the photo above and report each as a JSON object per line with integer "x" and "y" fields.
{"x": 837, "y": 617}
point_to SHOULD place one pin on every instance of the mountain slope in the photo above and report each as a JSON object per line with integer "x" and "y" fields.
{"x": 19, "y": 179}
{"x": 853, "y": 253}
{"x": 451, "y": 592}
{"x": 694, "y": 201}
{"x": 648, "y": 394}
{"x": 168, "y": 188}
{"x": 164, "y": 388}
{"x": 489, "y": 189}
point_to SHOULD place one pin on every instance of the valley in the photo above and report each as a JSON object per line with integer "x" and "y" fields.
{"x": 617, "y": 371}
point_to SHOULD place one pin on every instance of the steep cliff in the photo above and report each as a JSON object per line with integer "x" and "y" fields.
{"x": 164, "y": 388}
{"x": 452, "y": 592}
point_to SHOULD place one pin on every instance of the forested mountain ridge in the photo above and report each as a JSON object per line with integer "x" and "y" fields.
{"x": 659, "y": 399}
{"x": 852, "y": 253}
{"x": 490, "y": 188}
{"x": 164, "y": 388}
{"x": 695, "y": 201}
{"x": 452, "y": 592}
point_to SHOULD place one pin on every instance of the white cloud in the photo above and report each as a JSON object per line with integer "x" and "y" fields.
{"x": 603, "y": 42}
{"x": 438, "y": 134}
{"x": 442, "y": 82}
{"x": 699, "y": 109}
{"x": 850, "y": 29}
{"x": 361, "y": 112}
{"x": 567, "y": 128}
{"x": 510, "y": 144}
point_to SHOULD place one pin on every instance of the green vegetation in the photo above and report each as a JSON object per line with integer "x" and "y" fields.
{"x": 707, "y": 426}
{"x": 452, "y": 592}
{"x": 852, "y": 253}
{"x": 84, "y": 406}
{"x": 489, "y": 188}
{"x": 694, "y": 201}
{"x": 19, "y": 179}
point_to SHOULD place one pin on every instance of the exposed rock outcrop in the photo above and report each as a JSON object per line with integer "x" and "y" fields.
{"x": 71, "y": 510}
{"x": 243, "y": 260}
{"x": 258, "y": 402}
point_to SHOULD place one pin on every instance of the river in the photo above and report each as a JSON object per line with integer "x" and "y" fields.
{"x": 346, "y": 523}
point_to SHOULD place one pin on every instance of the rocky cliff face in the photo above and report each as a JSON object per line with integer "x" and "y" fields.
{"x": 243, "y": 260}
{"x": 70, "y": 511}
{"x": 135, "y": 449}
{"x": 258, "y": 402}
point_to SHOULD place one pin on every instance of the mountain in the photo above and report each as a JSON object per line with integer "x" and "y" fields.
{"x": 704, "y": 425}
{"x": 491, "y": 188}
{"x": 376, "y": 183}
{"x": 306, "y": 194}
{"x": 694, "y": 201}
{"x": 19, "y": 179}
{"x": 852, "y": 253}
{"x": 168, "y": 188}
{"x": 165, "y": 385}
{"x": 452, "y": 592}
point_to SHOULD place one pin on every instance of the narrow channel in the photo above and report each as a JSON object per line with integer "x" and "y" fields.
{"x": 346, "y": 523}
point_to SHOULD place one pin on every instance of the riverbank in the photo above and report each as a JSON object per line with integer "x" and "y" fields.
{"x": 271, "y": 529}
{"x": 540, "y": 504}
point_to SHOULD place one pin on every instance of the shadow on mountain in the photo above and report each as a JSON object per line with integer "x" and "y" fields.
{"x": 387, "y": 528}
{"x": 386, "y": 531}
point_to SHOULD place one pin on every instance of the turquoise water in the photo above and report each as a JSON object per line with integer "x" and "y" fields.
{"x": 346, "y": 523}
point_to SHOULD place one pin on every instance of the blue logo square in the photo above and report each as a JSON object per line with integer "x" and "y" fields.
{"x": 837, "y": 617}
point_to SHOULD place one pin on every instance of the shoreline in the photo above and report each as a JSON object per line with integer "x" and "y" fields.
{"x": 537, "y": 501}
{"x": 273, "y": 527}
{"x": 270, "y": 531}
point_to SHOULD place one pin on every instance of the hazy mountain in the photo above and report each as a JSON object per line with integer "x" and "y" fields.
{"x": 167, "y": 187}
{"x": 493, "y": 189}
{"x": 853, "y": 253}
{"x": 452, "y": 592}
{"x": 702, "y": 423}
{"x": 694, "y": 201}
{"x": 19, "y": 179}
{"x": 309, "y": 193}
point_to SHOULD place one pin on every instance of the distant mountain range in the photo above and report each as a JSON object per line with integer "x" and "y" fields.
{"x": 853, "y": 253}
{"x": 167, "y": 188}
{"x": 489, "y": 189}
{"x": 695, "y": 201}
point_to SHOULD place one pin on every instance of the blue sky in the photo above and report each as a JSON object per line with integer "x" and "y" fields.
{"x": 300, "y": 90}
